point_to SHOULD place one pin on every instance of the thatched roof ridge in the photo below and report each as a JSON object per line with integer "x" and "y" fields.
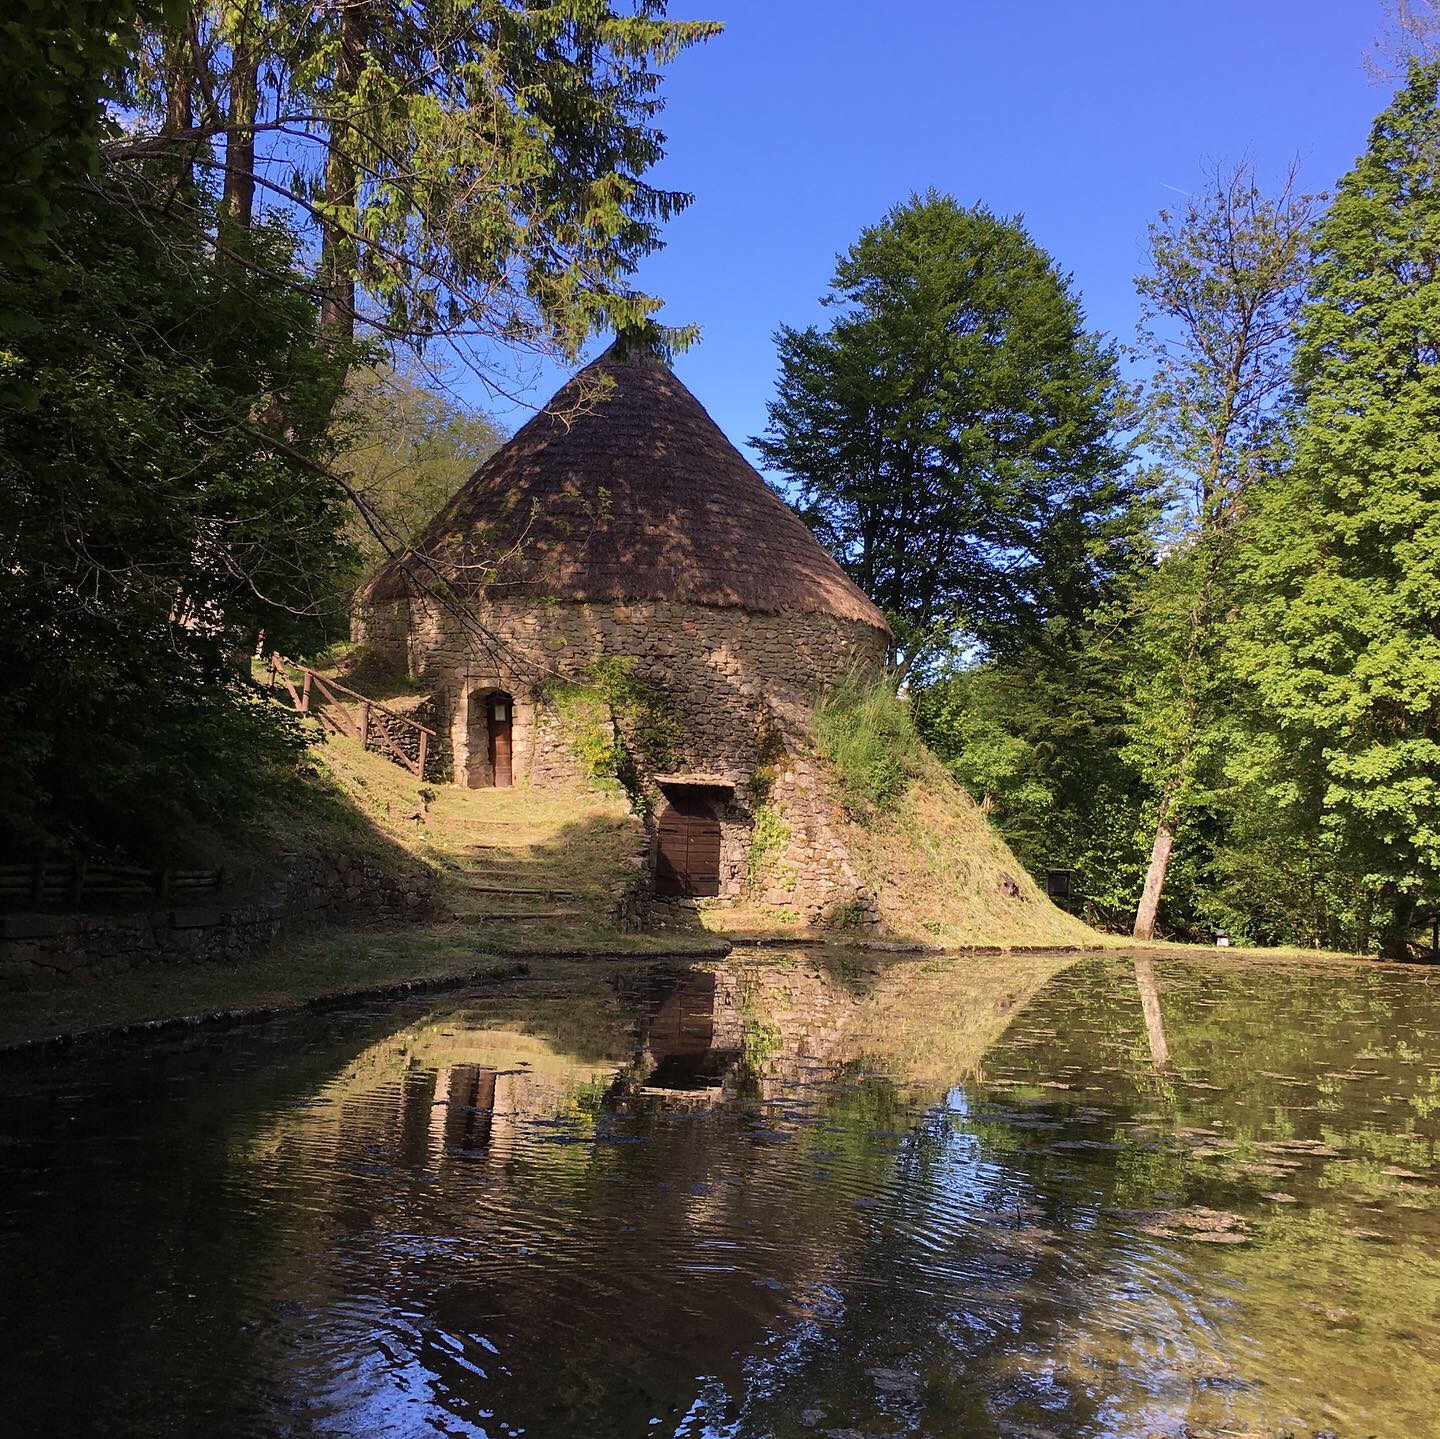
{"x": 628, "y": 490}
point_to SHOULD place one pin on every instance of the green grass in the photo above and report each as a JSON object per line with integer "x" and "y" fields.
{"x": 864, "y": 729}
{"x": 307, "y": 967}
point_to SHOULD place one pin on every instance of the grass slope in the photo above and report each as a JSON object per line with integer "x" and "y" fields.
{"x": 943, "y": 876}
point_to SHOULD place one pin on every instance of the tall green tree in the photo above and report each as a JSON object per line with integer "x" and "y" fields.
{"x": 950, "y": 435}
{"x": 465, "y": 170}
{"x": 1223, "y": 285}
{"x": 1342, "y": 630}
{"x": 150, "y": 523}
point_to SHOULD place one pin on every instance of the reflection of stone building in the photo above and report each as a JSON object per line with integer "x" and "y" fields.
{"x": 495, "y": 1230}
{"x": 621, "y": 524}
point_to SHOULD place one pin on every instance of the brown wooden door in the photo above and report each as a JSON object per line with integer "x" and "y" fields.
{"x": 498, "y": 720}
{"x": 688, "y": 858}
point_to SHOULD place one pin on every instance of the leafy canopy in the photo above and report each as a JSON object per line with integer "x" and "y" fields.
{"x": 950, "y": 435}
{"x": 466, "y": 170}
{"x": 1342, "y": 639}
{"x": 149, "y": 527}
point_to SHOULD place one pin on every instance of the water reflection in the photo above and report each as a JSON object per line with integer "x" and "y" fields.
{"x": 1019, "y": 1196}
{"x": 1149, "y": 992}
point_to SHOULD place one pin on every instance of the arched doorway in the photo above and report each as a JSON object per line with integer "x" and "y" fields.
{"x": 687, "y": 860}
{"x": 492, "y": 722}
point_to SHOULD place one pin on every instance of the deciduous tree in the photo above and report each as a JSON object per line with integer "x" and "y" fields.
{"x": 1224, "y": 283}
{"x": 951, "y": 434}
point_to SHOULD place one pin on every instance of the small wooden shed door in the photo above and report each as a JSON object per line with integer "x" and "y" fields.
{"x": 688, "y": 861}
{"x": 498, "y": 721}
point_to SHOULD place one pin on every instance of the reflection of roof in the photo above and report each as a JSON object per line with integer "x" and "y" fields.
{"x": 630, "y": 493}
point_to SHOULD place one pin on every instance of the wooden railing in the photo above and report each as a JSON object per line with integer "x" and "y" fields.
{"x": 397, "y": 736}
{"x": 67, "y": 882}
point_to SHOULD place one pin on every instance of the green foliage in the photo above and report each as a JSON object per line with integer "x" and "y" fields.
{"x": 60, "y": 62}
{"x": 474, "y": 169}
{"x": 149, "y": 528}
{"x": 1340, "y": 638}
{"x": 849, "y": 915}
{"x": 866, "y": 732}
{"x": 769, "y": 838}
{"x": 1036, "y": 738}
{"x": 619, "y": 726}
{"x": 950, "y": 435}
{"x": 406, "y": 447}
{"x": 761, "y": 1040}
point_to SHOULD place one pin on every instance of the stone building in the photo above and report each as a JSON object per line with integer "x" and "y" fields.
{"x": 621, "y": 524}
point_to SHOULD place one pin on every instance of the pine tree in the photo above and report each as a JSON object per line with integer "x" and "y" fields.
{"x": 463, "y": 171}
{"x": 1342, "y": 638}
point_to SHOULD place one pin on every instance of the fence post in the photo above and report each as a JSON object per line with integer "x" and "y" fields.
{"x": 305, "y": 695}
{"x": 424, "y": 747}
{"x": 364, "y": 723}
{"x": 37, "y": 879}
{"x": 77, "y": 880}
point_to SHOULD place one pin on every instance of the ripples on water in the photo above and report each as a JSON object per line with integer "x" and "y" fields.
{"x": 953, "y": 1198}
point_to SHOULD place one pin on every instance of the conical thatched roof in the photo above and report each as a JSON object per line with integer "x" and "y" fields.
{"x": 628, "y": 491}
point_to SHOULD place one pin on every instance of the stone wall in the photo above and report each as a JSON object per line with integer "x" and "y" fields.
{"x": 729, "y": 677}
{"x": 816, "y": 877}
{"x": 324, "y": 888}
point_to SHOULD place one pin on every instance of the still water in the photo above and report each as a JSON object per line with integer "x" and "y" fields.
{"x": 778, "y": 1196}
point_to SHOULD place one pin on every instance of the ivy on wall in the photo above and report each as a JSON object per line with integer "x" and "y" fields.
{"x": 618, "y": 726}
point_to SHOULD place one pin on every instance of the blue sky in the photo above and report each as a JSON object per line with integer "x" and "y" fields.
{"x": 808, "y": 119}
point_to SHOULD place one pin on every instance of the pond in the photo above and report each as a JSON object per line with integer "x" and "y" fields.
{"x": 1015, "y": 1196}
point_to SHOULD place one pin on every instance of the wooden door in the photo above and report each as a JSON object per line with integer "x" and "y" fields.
{"x": 688, "y": 858}
{"x": 498, "y": 720}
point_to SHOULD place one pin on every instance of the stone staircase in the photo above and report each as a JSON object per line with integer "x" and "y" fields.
{"x": 521, "y": 857}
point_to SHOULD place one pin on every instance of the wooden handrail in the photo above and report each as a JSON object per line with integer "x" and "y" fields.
{"x": 278, "y": 659}
{"x": 356, "y": 727}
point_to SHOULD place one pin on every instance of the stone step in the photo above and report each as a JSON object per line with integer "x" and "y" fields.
{"x": 519, "y": 891}
{"x": 523, "y": 916}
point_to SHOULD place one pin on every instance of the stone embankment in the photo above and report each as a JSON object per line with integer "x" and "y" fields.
{"x": 322, "y": 887}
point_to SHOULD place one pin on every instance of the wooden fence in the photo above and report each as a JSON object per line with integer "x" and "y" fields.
{"x": 46, "y": 883}
{"x": 397, "y": 736}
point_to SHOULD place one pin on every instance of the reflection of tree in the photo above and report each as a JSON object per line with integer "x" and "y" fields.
{"x": 847, "y": 1200}
{"x": 1154, "y": 1017}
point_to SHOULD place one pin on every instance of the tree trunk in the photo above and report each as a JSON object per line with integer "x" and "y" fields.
{"x": 337, "y": 246}
{"x": 179, "y": 67}
{"x": 238, "y": 205}
{"x": 1155, "y": 876}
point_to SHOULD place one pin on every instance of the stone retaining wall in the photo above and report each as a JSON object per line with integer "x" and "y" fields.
{"x": 322, "y": 888}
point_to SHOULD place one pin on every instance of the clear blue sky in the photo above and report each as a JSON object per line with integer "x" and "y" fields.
{"x": 808, "y": 119}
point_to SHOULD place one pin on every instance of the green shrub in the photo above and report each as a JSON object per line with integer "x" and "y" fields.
{"x": 866, "y": 732}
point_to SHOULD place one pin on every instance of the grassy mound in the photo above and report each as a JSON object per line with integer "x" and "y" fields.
{"x": 940, "y": 873}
